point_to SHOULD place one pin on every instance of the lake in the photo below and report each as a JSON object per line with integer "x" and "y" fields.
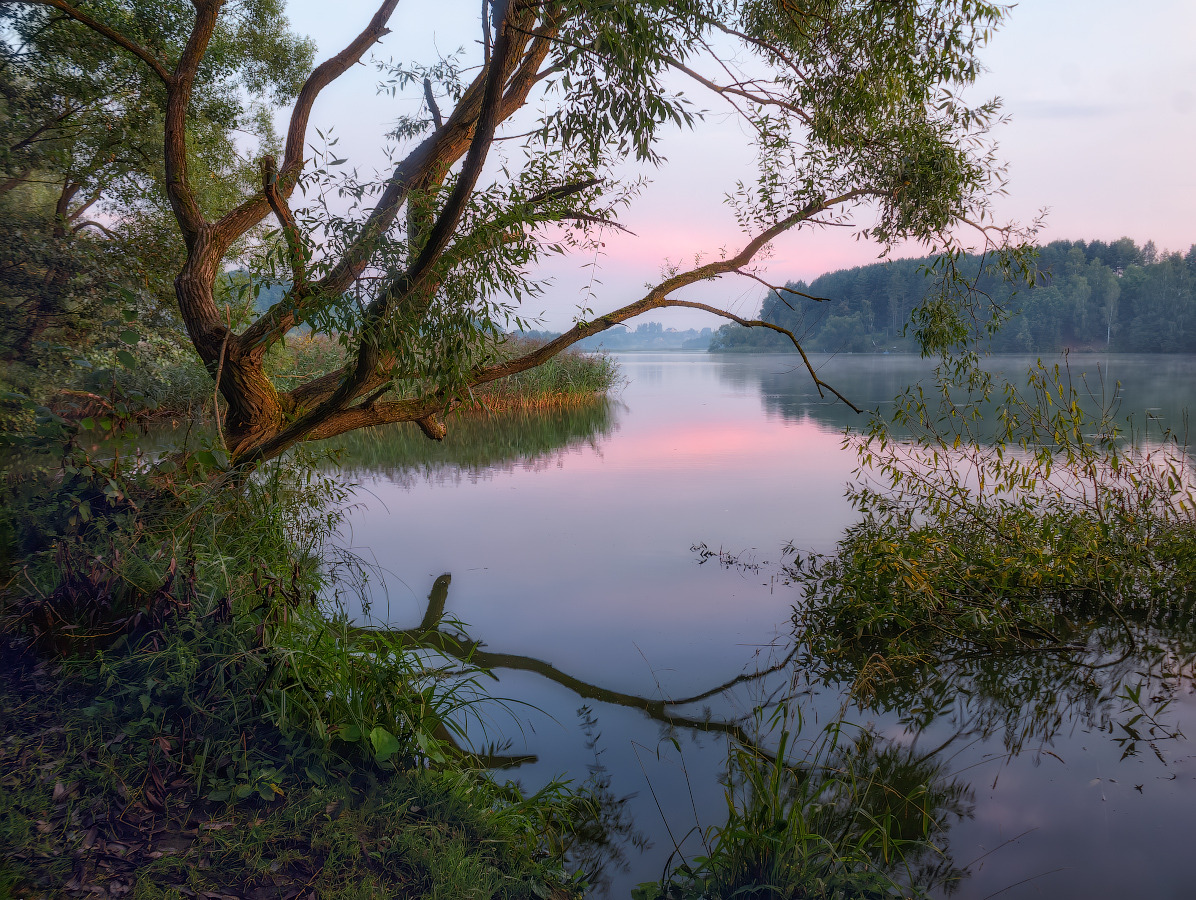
{"x": 584, "y": 552}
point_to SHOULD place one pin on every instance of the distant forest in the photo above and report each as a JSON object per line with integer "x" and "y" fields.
{"x": 1092, "y": 296}
{"x": 646, "y": 336}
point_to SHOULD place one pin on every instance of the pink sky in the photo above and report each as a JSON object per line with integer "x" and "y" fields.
{"x": 1103, "y": 129}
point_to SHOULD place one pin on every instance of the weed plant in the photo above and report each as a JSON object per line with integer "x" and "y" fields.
{"x": 569, "y": 378}
{"x": 836, "y": 817}
{"x": 1065, "y": 533}
{"x": 197, "y": 667}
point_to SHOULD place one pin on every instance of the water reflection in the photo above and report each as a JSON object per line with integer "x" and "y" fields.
{"x": 436, "y": 631}
{"x": 1149, "y": 388}
{"x": 905, "y": 771}
{"x": 478, "y": 444}
{"x": 1029, "y": 699}
{"x": 579, "y": 574}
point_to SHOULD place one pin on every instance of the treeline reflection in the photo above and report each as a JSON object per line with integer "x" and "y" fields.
{"x": 477, "y": 445}
{"x": 1141, "y": 390}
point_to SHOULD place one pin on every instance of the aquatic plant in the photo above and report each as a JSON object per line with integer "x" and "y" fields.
{"x": 1065, "y": 527}
{"x": 844, "y": 815}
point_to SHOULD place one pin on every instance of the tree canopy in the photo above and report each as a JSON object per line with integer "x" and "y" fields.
{"x": 1089, "y": 295}
{"x": 82, "y": 163}
{"x": 854, "y": 107}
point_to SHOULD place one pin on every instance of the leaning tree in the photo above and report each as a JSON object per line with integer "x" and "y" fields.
{"x": 854, "y": 106}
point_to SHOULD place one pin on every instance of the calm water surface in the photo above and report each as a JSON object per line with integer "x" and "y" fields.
{"x": 570, "y": 542}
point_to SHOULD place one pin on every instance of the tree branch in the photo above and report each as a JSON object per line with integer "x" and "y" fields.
{"x": 91, "y": 223}
{"x": 253, "y": 210}
{"x": 281, "y": 316}
{"x": 16, "y": 180}
{"x": 660, "y": 297}
{"x": 437, "y": 118}
{"x": 760, "y": 323}
{"x": 761, "y": 99}
{"x": 439, "y": 151}
{"x": 296, "y": 250}
{"x": 779, "y": 288}
{"x": 411, "y": 281}
{"x": 319, "y": 389}
{"x": 178, "y": 102}
{"x": 112, "y": 35}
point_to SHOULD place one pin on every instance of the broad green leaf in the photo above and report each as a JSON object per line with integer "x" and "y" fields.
{"x": 385, "y": 744}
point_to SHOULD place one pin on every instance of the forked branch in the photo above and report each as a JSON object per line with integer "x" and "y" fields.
{"x": 348, "y": 418}
{"x": 364, "y": 372}
{"x": 253, "y": 210}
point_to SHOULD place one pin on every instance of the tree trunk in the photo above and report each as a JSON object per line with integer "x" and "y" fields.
{"x": 254, "y": 410}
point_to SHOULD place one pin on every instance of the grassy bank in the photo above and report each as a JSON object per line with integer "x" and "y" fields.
{"x": 86, "y": 809}
{"x": 571, "y": 378}
{"x": 171, "y": 384}
{"x": 186, "y": 710}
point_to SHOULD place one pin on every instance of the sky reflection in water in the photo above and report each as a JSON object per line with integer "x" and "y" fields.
{"x": 574, "y": 547}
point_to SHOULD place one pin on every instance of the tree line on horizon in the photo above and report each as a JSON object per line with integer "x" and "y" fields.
{"x": 1090, "y": 295}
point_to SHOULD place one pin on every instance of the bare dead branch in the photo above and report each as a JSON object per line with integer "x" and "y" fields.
{"x": 760, "y": 323}
{"x": 781, "y": 288}
{"x": 437, "y": 118}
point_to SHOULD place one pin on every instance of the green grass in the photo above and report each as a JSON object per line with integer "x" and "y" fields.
{"x": 185, "y": 707}
{"x": 567, "y": 379}
{"x": 77, "y": 812}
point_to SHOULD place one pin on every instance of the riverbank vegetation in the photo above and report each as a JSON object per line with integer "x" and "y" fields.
{"x": 1088, "y": 295}
{"x": 171, "y": 386}
{"x": 1023, "y": 539}
{"x": 1024, "y": 565}
{"x": 186, "y": 707}
{"x": 845, "y": 814}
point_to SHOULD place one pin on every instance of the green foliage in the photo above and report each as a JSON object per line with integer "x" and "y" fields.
{"x": 71, "y": 796}
{"x": 1060, "y": 527}
{"x": 839, "y": 818}
{"x": 209, "y": 672}
{"x": 865, "y": 105}
{"x": 568, "y": 377}
{"x": 1092, "y": 295}
{"x": 81, "y": 166}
